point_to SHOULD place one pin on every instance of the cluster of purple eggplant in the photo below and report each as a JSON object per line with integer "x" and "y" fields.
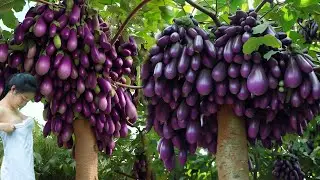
{"x": 177, "y": 78}
{"x": 277, "y": 95}
{"x": 69, "y": 51}
{"x": 188, "y": 77}
{"x": 287, "y": 168}
{"x": 139, "y": 169}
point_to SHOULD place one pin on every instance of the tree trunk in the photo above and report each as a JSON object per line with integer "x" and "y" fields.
{"x": 232, "y": 150}
{"x": 86, "y": 153}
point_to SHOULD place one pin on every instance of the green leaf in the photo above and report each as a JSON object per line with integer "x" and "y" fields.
{"x": 18, "y": 5}
{"x": 260, "y": 28}
{"x": 108, "y": 2}
{"x": 234, "y": 4}
{"x": 6, "y": 5}
{"x": 306, "y": 3}
{"x": 9, "y": 19}
{"x": 125, "y": 5}
{"x": 254, "y": 43}
{"x": 166, "y": 13}
{"x": 201, "y": 17}
{"x": 268, "y": 55}
{"x": 180, "y": 2}
{"x": 7, "y": 34}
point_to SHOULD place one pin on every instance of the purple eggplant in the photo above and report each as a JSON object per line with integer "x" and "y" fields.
{"x": 46, "y": 86}
{"x": 65, "y": 68}
{"x": 48, "y": 15}
{"x": 27, "y": 23}
{"x": 74, "y": 15}
{"x": 315, "y": 85}
{"x": 184, "y": 62}
{"x": 40, "y": 27}
{"x": 198, "y": 44}
{"x": 204, "y": 82}
{"x": 257, "y": 81}
{"x": 50, "y": 49}
{"x": 227, "y": 53}
{"x": 72, "y": 41}
{"x": 175, "y": 50}
{"x": 196, "y": 62}
{"x": 303, "y": 64}
{"x": 4, "y": 51}
{"x": 234, "y": 70}
{"x": 43, "y": 65}
{"x": 219, "y": 72}
{"x": 292, "y": 76}
{"x": 170, "y": 70}
{"x": 19, "y": 34}
{"x": 65, "y": 33}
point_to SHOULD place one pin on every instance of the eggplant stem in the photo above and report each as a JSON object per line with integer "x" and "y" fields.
{"x": 128, "y": 86}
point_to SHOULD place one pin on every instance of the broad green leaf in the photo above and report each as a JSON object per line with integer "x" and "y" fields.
{"x": 124, "y": 5}
{"x": 7, "y": 34}
{"x": 234, "y": 4}
{"x": 224, "y": 18}
{"x": 260, "y": 28}
{"x": 268, "y": 55}
{"x": 9, "y": 19}
{"x": 108, "y": 2}
{"x": 306, "y": 3}
{"x": 254, "y": 43}
{"x": 166, "y": 13}
{"x": 6, "y": 5}
{"x": 18, "y": 5}
{"x": 201, "y": 17}
{"x": 181, "y": 2}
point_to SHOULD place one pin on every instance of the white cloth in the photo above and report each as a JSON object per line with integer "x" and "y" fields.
{"x": 18, "y": 160}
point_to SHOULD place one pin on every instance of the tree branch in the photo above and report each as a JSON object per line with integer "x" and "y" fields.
{"x": 206, "y": 11}
{"x": 124, "y": 174}
{"x": 48, "y": 3}
{"x": 115, "y": 38}
{"x": 271, "y": 9}
{"x": 128, "y": 86}
{"x": 258, "y": 8}
{"x": 216, "y": 6}
{"x": 132, "y": 125}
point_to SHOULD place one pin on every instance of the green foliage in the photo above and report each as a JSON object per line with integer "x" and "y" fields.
{"x": 6, "y": 5}
{"x": 260, "y": 28}
{"x": 305, "y": 148}
{"x": 254, "y": 43}
{"x": 268, "y": 55}
{"x": 9, "y": 19}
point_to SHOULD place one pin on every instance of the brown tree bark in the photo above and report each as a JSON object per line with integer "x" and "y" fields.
{"x": 232, "y": 150}
{"x": 86, "y": 153}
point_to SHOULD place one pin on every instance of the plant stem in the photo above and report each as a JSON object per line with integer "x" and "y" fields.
{"x": 260, "y": 5}
{"x": 271, "y": 9}
{"x": 216, "y": 6}
{"x": 206, "y": 11}
{"x": 128, "y": 86}
{"x": 115, "y": 38}
{"x": 46, "y": 2}
{"x": 256, "y": 168}
{"x": 124, "y": 174}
